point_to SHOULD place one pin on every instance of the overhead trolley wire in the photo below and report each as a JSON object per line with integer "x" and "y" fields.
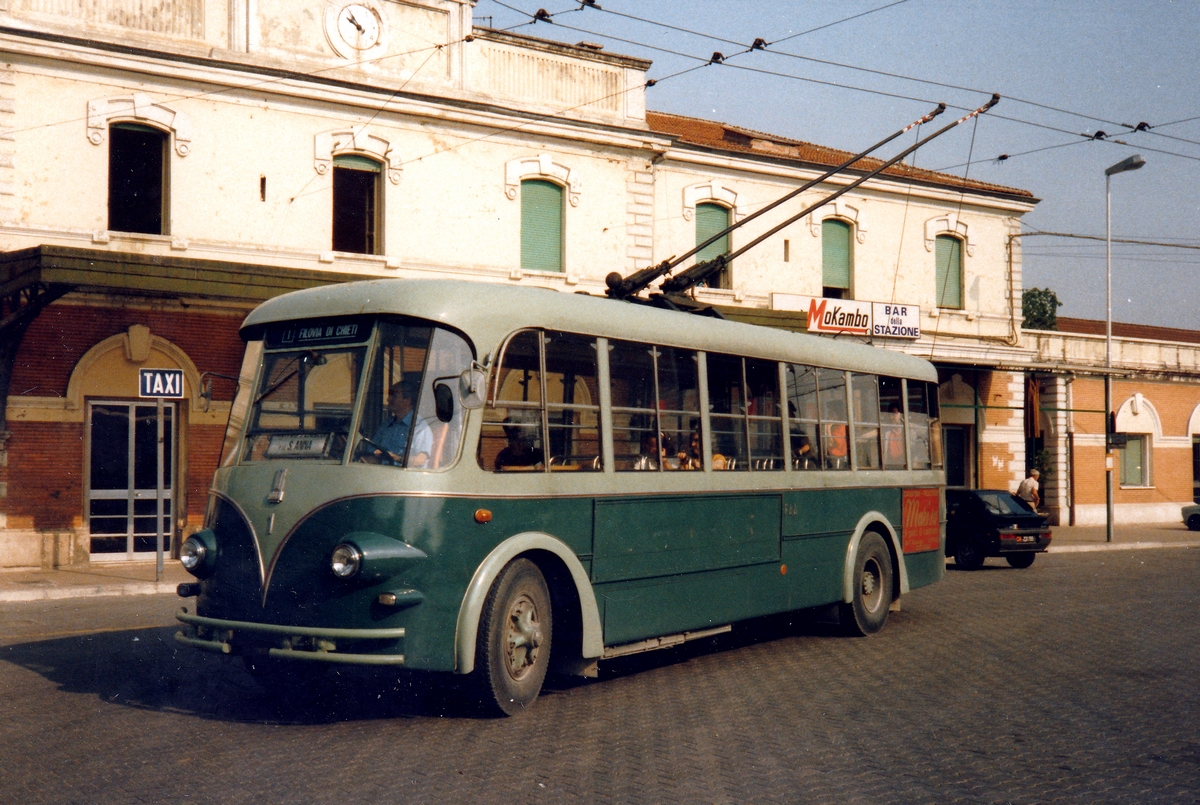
{"x": 761, "y": 44}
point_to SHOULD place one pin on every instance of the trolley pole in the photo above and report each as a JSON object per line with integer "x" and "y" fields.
{"x": 158, "y": 494}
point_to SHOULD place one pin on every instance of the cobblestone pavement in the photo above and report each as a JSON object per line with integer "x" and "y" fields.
{"x": 1074, "y": 681}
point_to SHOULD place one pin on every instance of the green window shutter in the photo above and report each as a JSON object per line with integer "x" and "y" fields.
{"x": 541, "y": 225}
{"x": 711, "y": 219}
{"x": 354, "y": 162}
{"x": 835, "y": 254}
{"x": 949, "y": 272}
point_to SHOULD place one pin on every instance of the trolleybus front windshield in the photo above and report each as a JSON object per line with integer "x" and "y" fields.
{"x": 313, "y": 373}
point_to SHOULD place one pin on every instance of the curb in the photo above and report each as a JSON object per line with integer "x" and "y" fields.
{"x": 1121, "y": 546}
{"x": 88, "y": 591}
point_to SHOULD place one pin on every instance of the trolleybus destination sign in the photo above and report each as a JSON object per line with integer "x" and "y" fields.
{"x": 166, "y": 383}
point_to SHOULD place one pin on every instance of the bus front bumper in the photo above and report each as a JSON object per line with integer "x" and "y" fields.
{"x": 310, "y": 643}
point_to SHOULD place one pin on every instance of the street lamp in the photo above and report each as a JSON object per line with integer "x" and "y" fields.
{"x": 1132, "y": 163}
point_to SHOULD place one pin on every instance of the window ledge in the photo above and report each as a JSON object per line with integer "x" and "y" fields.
{"x": 1137, "y": 486}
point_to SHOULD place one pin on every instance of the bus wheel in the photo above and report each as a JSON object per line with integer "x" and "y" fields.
{"x": 512, "y": 652}
{"x": 1021, "y": 560}
{"x": 868, "y": 611}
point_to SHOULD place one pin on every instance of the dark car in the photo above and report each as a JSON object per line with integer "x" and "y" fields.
{"x": 991, "y": 522}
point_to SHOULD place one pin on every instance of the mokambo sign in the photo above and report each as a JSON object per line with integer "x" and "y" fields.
{"x": 853, "y": 317}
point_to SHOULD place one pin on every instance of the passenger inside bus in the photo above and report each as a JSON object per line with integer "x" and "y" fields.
{"x": 520, "y": 452}
{"x": 803, "y": 456}
{"x": 651, "y": 455}
{"x": 390, "y": 439}
{"x": 691, "y": 459}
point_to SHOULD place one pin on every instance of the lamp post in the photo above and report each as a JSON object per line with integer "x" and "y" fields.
{"x": 1132, "y": 163}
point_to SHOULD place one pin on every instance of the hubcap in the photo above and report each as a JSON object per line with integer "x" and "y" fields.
{"x": 524, "y": 637}
{"x": 872, "y": 587}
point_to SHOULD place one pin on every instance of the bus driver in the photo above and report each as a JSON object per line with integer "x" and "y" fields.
{"x": 391, "y": 437}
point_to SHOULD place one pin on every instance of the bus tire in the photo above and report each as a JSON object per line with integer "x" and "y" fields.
{"x": 868, "y": 610}
{"x": 512, "y": 651}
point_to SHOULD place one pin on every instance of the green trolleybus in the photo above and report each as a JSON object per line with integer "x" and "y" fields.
{"x": 497, "y": 481}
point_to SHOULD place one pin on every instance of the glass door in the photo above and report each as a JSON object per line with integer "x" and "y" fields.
{"x": 124, "y": 483}
{"x": 957, "y": 442}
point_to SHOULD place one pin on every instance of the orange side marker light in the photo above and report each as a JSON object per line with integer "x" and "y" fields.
{"x": 483, "y": 516}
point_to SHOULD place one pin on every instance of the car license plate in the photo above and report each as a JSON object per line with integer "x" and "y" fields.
{"x": 1026, "y": 538}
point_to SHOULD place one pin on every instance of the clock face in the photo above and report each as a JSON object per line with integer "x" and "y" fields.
{"x": 358, "y": 26}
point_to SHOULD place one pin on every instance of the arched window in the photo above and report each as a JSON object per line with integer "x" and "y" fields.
{"x": 711, "y": 219}
{"x": 137, "y": 179}
{"x": 837, "y": 259}
{"x": 356, "y": 205}
{"x": 541, "y": 225}
{"x": 949, "y": 274}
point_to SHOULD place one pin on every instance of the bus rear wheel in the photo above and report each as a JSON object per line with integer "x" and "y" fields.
{"x": 868, "y": 609}
{"x": 513, "y": 648}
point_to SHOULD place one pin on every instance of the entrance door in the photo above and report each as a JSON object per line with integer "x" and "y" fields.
{"x": 956, "y": 440}
{"x": 122, "y": 499}
{"x": 1196, "y": 469}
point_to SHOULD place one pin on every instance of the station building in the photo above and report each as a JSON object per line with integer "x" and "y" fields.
{"x": 166, "y": 167}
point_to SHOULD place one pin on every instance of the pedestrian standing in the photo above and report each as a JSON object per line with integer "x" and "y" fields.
{"x": 1028, "y": 490}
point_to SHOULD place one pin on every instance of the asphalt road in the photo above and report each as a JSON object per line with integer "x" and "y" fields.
{"x": 1074, "y": 681}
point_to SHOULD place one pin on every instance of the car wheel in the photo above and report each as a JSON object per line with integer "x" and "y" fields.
{"x": 868, "y": 609}
{"x": 1193, "y": 522}
{"x": 513, "y": 648}
{"x": 1021, "y": 560}
{"x": 968, "y": 555}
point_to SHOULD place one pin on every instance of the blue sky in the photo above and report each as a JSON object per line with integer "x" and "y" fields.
{"x": 1076, "y": 67}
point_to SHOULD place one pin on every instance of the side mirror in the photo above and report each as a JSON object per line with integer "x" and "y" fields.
{"x": 472, "y": 384}
{"x": 443, "y": 402}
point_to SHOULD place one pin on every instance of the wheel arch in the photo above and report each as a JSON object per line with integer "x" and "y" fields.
{"x": 878, "y": 523}
{"x": 540, "y": 548}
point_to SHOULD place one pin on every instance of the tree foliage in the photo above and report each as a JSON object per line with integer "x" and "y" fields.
{"x": 1039, "y": 306}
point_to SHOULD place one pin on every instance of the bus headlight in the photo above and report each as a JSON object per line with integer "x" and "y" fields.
{"x": 345, "y": 561}
{"x": 198, "y": 553}
{"x": 191, "y": 553}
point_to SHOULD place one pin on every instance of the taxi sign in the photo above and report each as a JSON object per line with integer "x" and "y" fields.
{"x": 166, "y": 383}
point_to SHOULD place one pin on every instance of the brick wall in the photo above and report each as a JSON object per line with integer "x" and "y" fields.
{"x": 61, "y": 335}
{"x": 45, "y": 470}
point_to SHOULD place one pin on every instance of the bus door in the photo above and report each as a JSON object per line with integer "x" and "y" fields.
{"x": 123, "y": 482}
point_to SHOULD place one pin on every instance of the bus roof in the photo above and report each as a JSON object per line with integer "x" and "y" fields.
{"x": 487, "y": 312}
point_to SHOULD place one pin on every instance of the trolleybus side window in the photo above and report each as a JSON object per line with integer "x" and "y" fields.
{"x": 891, "y": 423}
{"x": 637, "y": 444}
{"x": 764, "y": 416}
{"x": 924, "y": 431}
{"x": 572, "y": 401}
{"x": 747, "y": 426}
{"x": 866, "y": 420}
{"x": 831, "y": 391}
{"x": 655, "y": 406}
{"x": 544, "y": 411}
{"x": 803, "y": 420}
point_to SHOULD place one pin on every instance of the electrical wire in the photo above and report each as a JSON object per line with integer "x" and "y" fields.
{"x": 763, "y": 46}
